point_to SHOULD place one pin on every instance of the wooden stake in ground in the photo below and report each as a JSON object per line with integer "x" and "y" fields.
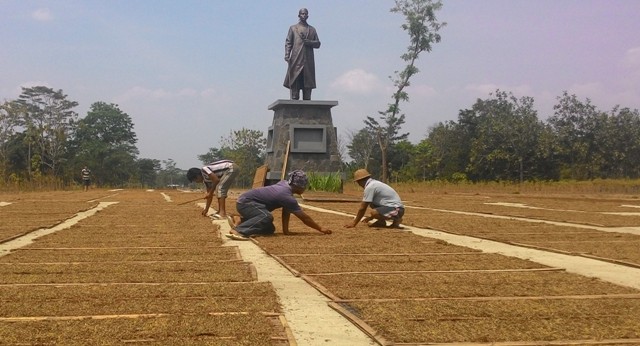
{"x": 260, "y": 176}
{"x": 284, "y": 164}
{"x": 193, "y": 200}
{"x": 286, "y": 159}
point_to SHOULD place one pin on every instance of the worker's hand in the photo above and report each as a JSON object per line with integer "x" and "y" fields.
{"x": 204, "y": 212}
{"x": 349, "y": 225}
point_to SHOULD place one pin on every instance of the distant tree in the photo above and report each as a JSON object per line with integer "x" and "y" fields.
{"x": 361, "y": 148}
{"x": 106, "y": 142}
{"x": 623, "y": 144}
{"x": 18, "y": 155}
{"x": 386, "y": 135}
{"x": 48, "y": 118}
{"x": 148, "y": 171}
{"x": 401, "y": 161}
{"x": 449, "y": 144}
{"x": 574, "y": 122}
{"x": 593, "y": 143}
{"x": 507, "y": 134}
{"x": 422, "y": 26}
{"x": 214, "y": 154}
{"x": 247, "y": 148}
{"x": 8, "y": 124}
{"x": 547, "y": 164}
{"x": 422, "y": 160}
{"x": 342, "y": 151}
{"x": 498, "y": 138}
{"x": 169, "y": 174}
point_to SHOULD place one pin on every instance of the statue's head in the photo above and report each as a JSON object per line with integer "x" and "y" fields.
{"x": 303, "y": 14}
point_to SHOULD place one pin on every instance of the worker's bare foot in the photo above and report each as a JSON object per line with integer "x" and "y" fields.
{"x": 235, "y": 235}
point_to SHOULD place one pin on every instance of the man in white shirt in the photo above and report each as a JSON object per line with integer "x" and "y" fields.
{"x": 383, "y": 200}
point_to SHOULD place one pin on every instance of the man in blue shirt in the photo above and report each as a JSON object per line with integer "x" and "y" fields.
{"x": 255, "y": 207}
{"x": 383, "y": 199}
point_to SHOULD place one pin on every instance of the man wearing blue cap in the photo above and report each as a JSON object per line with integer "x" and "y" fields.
{"x": 255, "y": 207}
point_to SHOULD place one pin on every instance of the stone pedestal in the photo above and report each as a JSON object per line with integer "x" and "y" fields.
{"x": 313, "y": 138}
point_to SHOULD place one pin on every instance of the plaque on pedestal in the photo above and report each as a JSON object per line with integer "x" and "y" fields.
{"x": 308, "y": 127}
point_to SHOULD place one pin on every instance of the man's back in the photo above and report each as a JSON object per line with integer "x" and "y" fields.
{"x": 381, "y": 194}
{"x": 272, "y": 197}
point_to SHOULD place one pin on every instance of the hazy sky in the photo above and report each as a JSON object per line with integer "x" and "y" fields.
{"x": 189, "y": 72}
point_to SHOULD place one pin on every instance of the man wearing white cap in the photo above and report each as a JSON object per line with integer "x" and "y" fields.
{"x": 383, "y": 200}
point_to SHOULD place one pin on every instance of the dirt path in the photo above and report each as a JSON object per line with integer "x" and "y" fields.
{"x": 309, "y": 316}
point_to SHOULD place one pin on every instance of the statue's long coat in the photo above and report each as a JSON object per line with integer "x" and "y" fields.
{"x": 301, "y": 58}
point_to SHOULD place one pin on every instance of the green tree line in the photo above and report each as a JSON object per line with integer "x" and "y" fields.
{"x": 44, "y": 142}
{"x": 501, "y": 138}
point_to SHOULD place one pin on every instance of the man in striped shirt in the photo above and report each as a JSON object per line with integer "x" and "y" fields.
{"x": 217, "y": 177}
{"x": 86, "y": 178}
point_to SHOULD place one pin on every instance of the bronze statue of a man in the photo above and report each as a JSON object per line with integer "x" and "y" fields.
{"x": 301, "y": 40}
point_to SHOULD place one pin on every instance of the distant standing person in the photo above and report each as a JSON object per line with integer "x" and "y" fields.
{"x": 301, "y": 40}
{"x": 86, "y": 178}
{"x": 255, "y": 207}
{"x": 383, "y": 200}
{"x": 217, "y": 178}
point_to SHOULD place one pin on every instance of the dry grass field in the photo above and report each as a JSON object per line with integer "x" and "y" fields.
{"x": 141, "y": 270}
{"x": 147, "y": 270}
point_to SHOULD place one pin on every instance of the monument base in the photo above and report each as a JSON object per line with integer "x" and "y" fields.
{"x": 306, "y": 128}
